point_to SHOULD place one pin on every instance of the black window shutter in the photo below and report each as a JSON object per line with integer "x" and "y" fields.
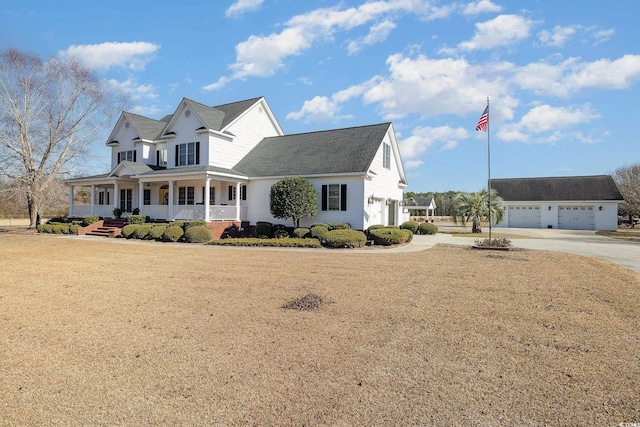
{"x": 157, "y": 158}
{"x": 243, "y": 190}
{"x": 118, "y": 157}
{"x": 231, "y": 192}
{"x": 343, "y": 197}
{"x": 198, "y": 153}
{"x": 324, "y": 197}
{"x": 134, "y": 155}
{"x": 176, "y": 159}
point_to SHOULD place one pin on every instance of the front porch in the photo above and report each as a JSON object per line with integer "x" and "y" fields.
{"x": 161, "y": 212}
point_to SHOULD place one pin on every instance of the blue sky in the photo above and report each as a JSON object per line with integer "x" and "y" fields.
{"x": 562, "y": 77}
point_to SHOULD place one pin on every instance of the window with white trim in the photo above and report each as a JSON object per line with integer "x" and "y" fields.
{"x": 146, "y": 197}
{"x": 232, "y": 192}
{"x": 127, "y": 155}
{"x": 186, "y": 196}
{"x": 334, "y": 197}
{"x": 161, "y": 157}
{"x": 187, "y": 154}
{"x": 386, "y": 156}
{"x": 212, "y": 195}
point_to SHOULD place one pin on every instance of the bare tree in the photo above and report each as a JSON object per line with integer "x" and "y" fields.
{"x": 627, "y": 179}
{"x": 50, "y": 112}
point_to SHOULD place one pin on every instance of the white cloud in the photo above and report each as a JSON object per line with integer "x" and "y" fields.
{"x": 132, "y": 55}
{"x": 545, "y": 118}
{"x": 262, "y": 56}
{"x": 603, "y": 35}
{"x": 503, "y": 30}
{"x": 242, "y": 6}
{"x": 558, "y": 36}
{"x": 320, "y": 108}
{"x": 482, "y": 6}
{"x": 132, "y": 90}
{"x": 422, "y": 138}
{"x": 377, "y": 34}
{"x": 571, "y": 75}
{"x": 146, "y": 111}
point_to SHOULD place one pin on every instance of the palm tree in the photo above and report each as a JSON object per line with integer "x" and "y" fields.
{"x": 474, "y": 207}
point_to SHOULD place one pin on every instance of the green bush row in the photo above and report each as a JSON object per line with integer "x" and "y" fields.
{"x": 391, "y": 235}
{"x": 419, "y": 227}
{"x": 58, "y": 228}
{"x": 287, "y": 242}
{"x": 168, "y": 232}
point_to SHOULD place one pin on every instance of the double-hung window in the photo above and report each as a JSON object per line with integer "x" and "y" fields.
{"x": 212, "y": 195}
{"x": 334, "y": 197}
{"x": 186, "y": 196}
{"x": 188, "y": 154}
{"x": 386, "y": 158}
{"x": 232, "y": 192}
{"x": 146, "y": 196}
{"x": 161, "y": 158}
{"x": 128, "y": 155}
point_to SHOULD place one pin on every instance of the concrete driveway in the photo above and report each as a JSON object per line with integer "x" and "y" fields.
{"x": 581, "y": 242}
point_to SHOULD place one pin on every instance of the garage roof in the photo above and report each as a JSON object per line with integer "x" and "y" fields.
{"x": 567, "y": 188}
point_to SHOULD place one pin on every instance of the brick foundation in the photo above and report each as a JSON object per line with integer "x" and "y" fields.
{"x": 228, "y": 228}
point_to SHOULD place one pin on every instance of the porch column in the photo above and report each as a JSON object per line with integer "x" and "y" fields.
{"x": 116, "y": 195}
{"x": 140, "y": 195}
{"x": 170, "y": 206}
{"x": 93, "y": 199}
{"x": 238, "y": 201}
{"x": 71, "y": 194}
{"x": 207, "y": 200}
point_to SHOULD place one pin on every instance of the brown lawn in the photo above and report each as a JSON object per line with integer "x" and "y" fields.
{"x": 98, "y": 332}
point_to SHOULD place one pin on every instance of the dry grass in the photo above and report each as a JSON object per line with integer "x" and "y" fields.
{"x": 98, "y": 332}
{"x": 629, "y": 234}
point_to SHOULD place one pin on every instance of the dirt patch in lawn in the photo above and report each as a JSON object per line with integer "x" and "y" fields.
{"x": 104, "y": 332}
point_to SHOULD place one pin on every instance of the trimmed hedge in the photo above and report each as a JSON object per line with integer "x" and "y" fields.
{"x": 344, "y": 238}
{"x": 128, "y": 230}
{"x": 173, "y": 233}
{"x": 142, "y": 231}
{"x": 411, "y": 226}
{"x": 73, "y": 228}
{"x": 157, "y": 231}
{"x": 281, "y": 233}
{"x": 408, "y": 233}
{"x": 89, "y": 219}
{"x": 264, "y": 230}
{"x": 301, "y": 233}
{"x": 388, "y": 236}
{"x": 427, "y": 228}
{"x": 197, "y": 234}
{"x": 338, "y": 226}
{"x": 282, "y": 243}
{"x": 193, "y": 223}
{"x": 136, "y": 219}
{"x": 319, "y": 231}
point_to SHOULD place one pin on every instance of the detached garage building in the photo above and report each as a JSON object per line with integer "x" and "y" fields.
{"x": 573, "y": 202}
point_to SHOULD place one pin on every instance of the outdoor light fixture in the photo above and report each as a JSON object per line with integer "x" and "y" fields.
{"x": 600, "y": 208}
{"x": 549, "y": 207}
{"x": 370, "y": 199}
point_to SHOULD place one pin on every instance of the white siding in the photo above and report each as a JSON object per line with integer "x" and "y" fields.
{"x": 552, "y": 216}
{"x": 185, "y": 129}
{"x": 125, "y": 138}
{"x": 259, "y": 209}
{"x": 249, "y": 130}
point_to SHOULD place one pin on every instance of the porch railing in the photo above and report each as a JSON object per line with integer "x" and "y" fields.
{"x": 216, "y": 212}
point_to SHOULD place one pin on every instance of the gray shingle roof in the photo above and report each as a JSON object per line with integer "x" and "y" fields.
{"x": 192, "y": 169}
{"x": 219, "y": 116}
{"x": 418, "y": 201}
{"x": 570, "y": 188}
{"x": 234, "y": 109}
{"x": 147, "y": 128}
{"x": 325, "y": 152}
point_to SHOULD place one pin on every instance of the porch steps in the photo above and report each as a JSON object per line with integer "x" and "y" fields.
{"x": 104, "y": 228}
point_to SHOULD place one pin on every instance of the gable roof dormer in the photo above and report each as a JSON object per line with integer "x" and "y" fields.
{"x": 146, "y": 129}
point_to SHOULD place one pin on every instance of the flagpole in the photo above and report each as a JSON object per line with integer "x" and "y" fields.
{"x": 489, "y": 166}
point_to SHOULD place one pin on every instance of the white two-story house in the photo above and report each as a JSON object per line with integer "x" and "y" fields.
{"x": 219, "y": 163}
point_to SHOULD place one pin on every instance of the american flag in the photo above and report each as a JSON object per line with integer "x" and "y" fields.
{"x": 484, "y": 120}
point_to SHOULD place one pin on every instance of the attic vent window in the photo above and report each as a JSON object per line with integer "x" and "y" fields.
{"x": 126, "y": 125}
{"x": 187, "y": 113}
{"x": 260, "y": 109}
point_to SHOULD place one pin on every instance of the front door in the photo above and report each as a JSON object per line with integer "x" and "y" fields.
{"x": 164, "y": 196}
{"x": 392, "y": 212}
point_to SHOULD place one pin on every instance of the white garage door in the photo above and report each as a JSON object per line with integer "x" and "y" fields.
{"x": 524, "y": 216}
{"x": 576, "y": 218}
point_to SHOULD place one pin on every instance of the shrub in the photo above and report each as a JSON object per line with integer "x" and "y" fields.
{"x": 142, "y": 231}
{"x": 58, "y": 219}
{"x": 172, "y": 234}
{"x": 344, "y": 238}
{"x": 427, "y": 228}
{"x": 194, "y": 223}
{"x": 282, "y": 243}
{"x": 89, "y": 219}
{"x": 60, "y": 229}
{"x": 197, "y": 234}
{"x": 40, "y": 228}
{"x": 338, "y": 226}
{"x": 281, "y": 233}
{"x": 318, "y": 232}
{"x": 135, "y": 211}
{"x": 411, "y": 226}
{"x": 387, "y": 236}
{"x": 157, "y": 231}
{"x": 117, "y": 212}
{"x": 493, "y": 243}
{"x": 315, "y": 224}
{"x": 301, "y": 233}
{"x": 264, "y": 230}
{"x": 408, "y": 233}
{"x": 136, "y": 219}
{"x": 73, "y": 228}
{"x": 373, "y": 227}
{"x": 128, "y": 230}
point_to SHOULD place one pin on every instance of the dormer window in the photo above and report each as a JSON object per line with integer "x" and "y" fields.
{"x": 128, "y": 155}
{"x": 188, "y": 154}
{"x": 386, "y": 158}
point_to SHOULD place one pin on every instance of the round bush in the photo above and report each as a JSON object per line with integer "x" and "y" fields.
{"x": 194, "y": 223}
{"x": 318, "y": 232}
{"x": 315, "y": 224}
{"x": 411, "y": 226}
{"x": 128, "y": 230}
{"x": 60, "y": 229}
{"x": 197, "y": 234}
{"x": 264, "y": 230}
{"x": 387, "y": 236}
{"x": 427, "y": 228}
{"x": 136, "y": 219}
{"x": 89, "y": 219}
{"x": 172, "y": 233}
{"x": 372, "y": 227}
{"x": 142, "y": 231}
{"x": 408, "y": 233}
{"x": 338, "y": 226}
{"x": 301, "y": 233}
{"x": 73, "y": 228}
{"x": 157, "y": 231}
{"x": 281, "y": 233}
{"x": 344, "y": 238}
